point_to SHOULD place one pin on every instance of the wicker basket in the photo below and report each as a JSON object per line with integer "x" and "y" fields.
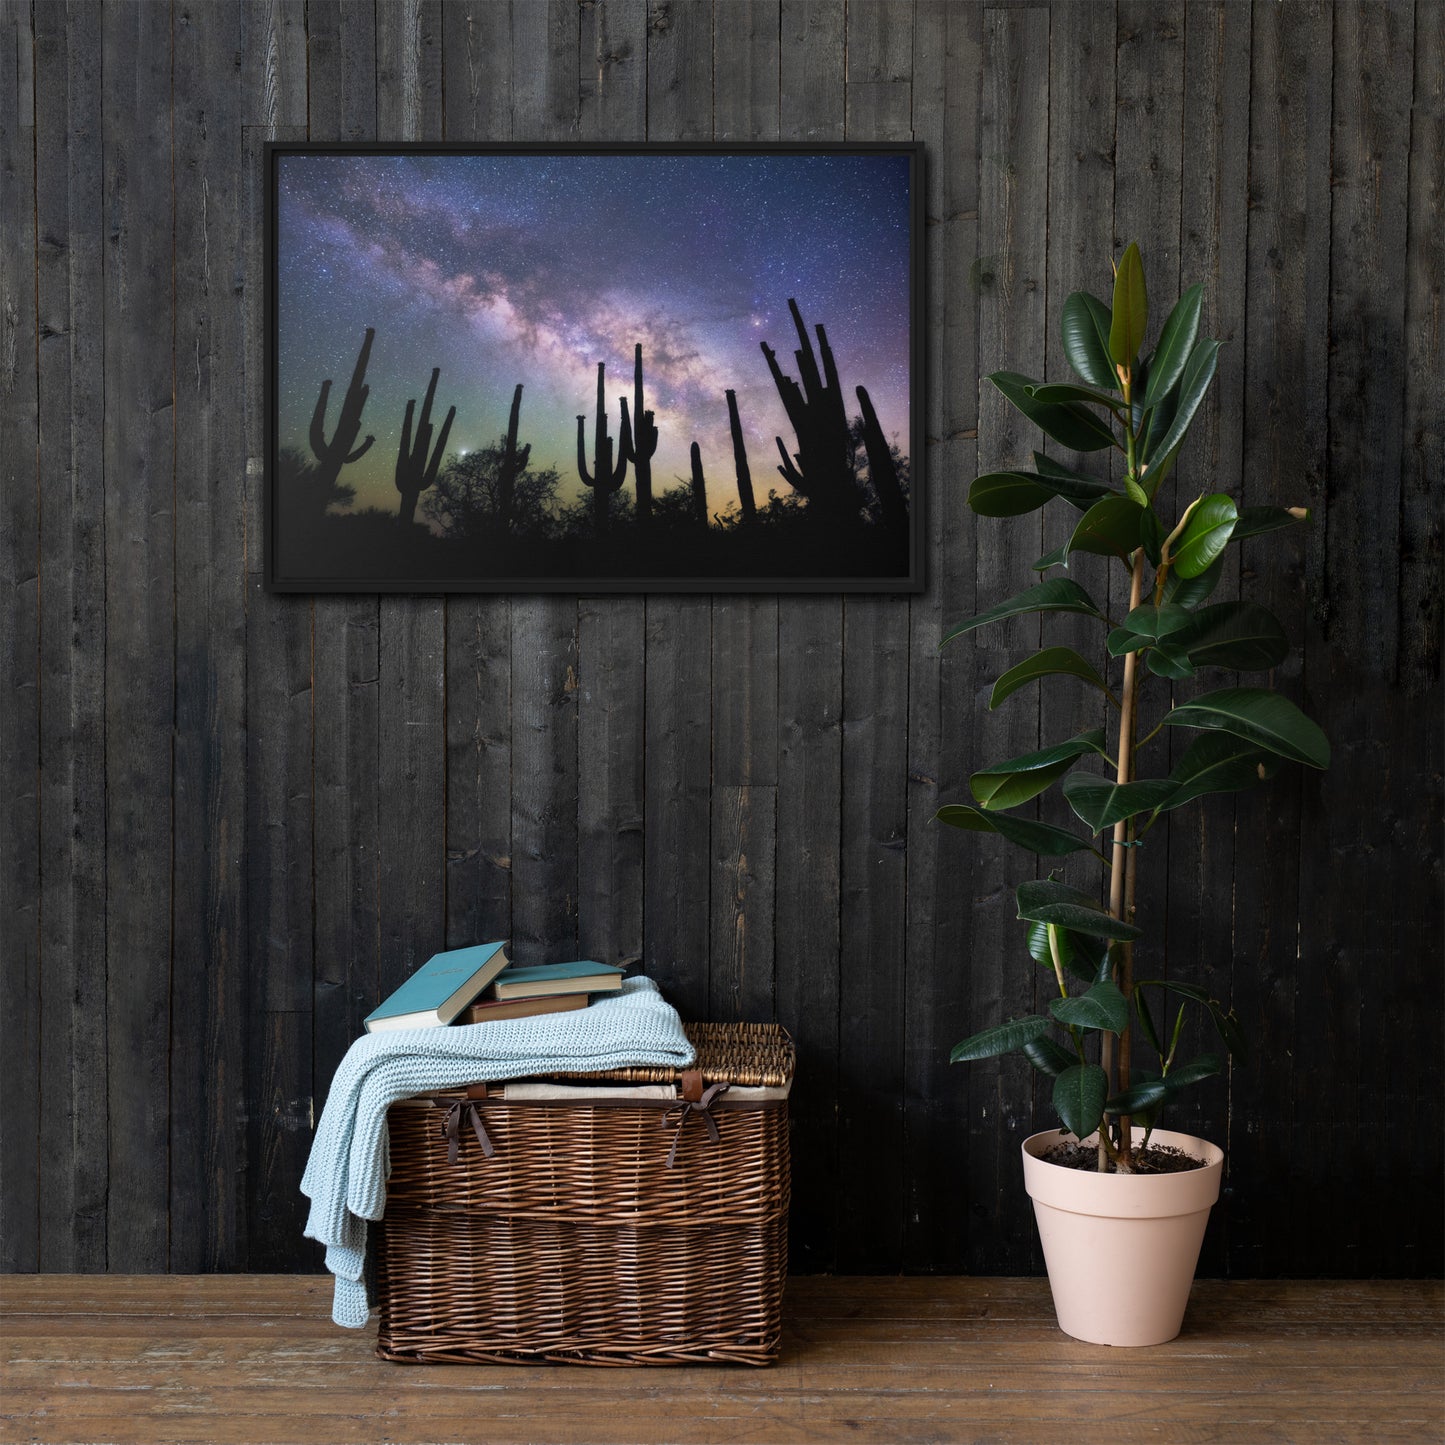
{"x": 627, "y": 1232}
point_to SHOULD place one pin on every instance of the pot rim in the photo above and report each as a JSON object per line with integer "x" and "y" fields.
{"x": 1138, "y": 1196}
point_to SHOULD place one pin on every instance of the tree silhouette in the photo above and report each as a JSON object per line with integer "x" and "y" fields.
{"x": 471, "y": 500}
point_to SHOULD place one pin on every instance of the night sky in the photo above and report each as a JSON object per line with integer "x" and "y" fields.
{"x": 532, "y": 269}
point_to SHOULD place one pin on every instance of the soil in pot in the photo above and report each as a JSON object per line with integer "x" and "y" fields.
{"x": 1156, "y": 1159}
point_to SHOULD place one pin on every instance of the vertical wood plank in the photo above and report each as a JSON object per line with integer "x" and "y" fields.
{"x": 741, "y": 972}
{"x": 20, "y": 838}
{"x": 612, "y": 94}
{"x": 677, "y": 847}
{"x": 279, "y": 778}
{"x": 477, "y": 60}
{"x": 810, "y": 751}
{"x": 1212, "y": 251}
{"x": 411, "y": 717}
{"x": 1422, "y": 602}
{"x": 1013, "y": 189}
{"x": 1350, "y": 668}
{"x": 874, "y": 863}
{"x": 208, "y": 982}
{"x": 346, "y": 664}
{"x": 947, "y": 61}
{"x": 545, "y": 49}
{"x": 139, "y": 626}
{"x": 1285, "y": 427}
{"x": 70, "y": 300}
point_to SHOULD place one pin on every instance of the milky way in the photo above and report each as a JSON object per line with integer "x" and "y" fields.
{"x": 502, "y": 269}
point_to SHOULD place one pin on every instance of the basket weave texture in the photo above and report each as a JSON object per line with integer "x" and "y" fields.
{"x": 575, "y": 1241}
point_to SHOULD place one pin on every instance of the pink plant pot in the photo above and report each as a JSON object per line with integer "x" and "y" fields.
{"x": 1121, "y": 1249}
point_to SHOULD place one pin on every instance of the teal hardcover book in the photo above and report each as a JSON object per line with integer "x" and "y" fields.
{"x": 584, "y": 976}
{"x": 440, "y": 989}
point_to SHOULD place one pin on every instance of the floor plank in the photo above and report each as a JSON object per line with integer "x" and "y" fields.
{"x": 167, "y": 1360}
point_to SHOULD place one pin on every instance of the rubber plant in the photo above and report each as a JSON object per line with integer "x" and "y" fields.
{"x": 1142, "y": 406}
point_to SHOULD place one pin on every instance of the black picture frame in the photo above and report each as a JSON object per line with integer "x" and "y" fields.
{"x": 903, "y": 571}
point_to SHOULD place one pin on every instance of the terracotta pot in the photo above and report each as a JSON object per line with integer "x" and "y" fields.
{"x": 1121, "y": 1248}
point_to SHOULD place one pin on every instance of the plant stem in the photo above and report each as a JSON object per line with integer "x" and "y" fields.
{"x": 1121, "y": 870}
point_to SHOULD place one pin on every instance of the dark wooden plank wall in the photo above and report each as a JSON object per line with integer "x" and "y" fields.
{"x": 230, "y": 819}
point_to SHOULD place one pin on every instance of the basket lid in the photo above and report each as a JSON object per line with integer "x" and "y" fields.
{"x": 749, "y": 1055}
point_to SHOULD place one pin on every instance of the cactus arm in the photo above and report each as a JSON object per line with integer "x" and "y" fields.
{"x": 359, "y": 371}
{"x": 362, "y": 450}
{"x": 441, "y": 447}
{"x": 582, "y": 451}
{"x": 624, "y": 448}
{"x": 513, "y": 418}
{"x": 881, "y": 468}
{"x": 403, "y": 455}
{"x": 789, "y": 472}
{"x": 699, "y": 486}
{"x": 740, "y": 460}
{"x": 318, "y": 423}
{"x": 807, "y": 362}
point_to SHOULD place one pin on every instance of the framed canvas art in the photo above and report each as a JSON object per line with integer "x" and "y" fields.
{"x": 528, "y": 368}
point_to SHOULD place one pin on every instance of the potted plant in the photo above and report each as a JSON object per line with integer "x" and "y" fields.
{"x": 1121, "y": 1206}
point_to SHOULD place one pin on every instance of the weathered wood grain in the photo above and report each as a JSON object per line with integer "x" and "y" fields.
{"x": 346, "y": 664}
{"x": 208, "y": 977}
{"x": 140, "y": 637}
{"x": 20, "y": 622}
{"x": 279, "y": 773}
{"x": 1285, "y": 430}
{"x": 68, "y": 274}
{"x": 812, "y": 105}
{"x": 1012, "y": 279}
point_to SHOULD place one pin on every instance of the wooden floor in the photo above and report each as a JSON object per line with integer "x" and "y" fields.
{"x": 160, "y": 1360}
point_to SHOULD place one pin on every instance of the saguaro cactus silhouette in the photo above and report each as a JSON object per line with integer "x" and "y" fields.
{"x": 821, "y": 469}
{"x": 882, "y": 470}
{"x": 330, "y": 456}
{"x": 644, "y": 441}
{"x": 699, "y": 488}
{"x": 514, "y": 463}
{"x": 740, "y": 461}
{"x": 416, "y": 462}
{"x": 604, "y": 478}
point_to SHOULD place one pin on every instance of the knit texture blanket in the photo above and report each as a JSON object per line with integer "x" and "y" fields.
{"x": 346, "y": 1175}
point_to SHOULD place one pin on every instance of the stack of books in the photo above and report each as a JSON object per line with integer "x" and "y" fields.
{"x": 477, "y": 985}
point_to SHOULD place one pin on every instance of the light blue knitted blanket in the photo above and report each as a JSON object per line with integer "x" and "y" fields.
{"x": 346, "y": 1174}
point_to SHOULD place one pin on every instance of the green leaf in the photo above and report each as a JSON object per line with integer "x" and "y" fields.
{"x": 1048, "y": 1057}
{"x": 1041, "y": 900}
{"x": 1072, "y": 426}
{"x": 1041, "y": 838}
{"x": 1047, "y": 466}
{"x": 1258, "y": 716}
{"x": 1176, "y": 341}
{"x": 1058, "y": 595}
{"x": 1152, "y": 623}
{"x": 1239, "y": 635}
{"x": 1206, "y": 534}
{"x": 1191, "y": 591}
{"x": 1151, "y": 533}
{"x": 1079, "y": 954}
{"x": 1079, "y": 1098}
{"x": 1206, "y": 1066}
{"x": 1255, "y": 521}
{"x": 1001, "y": 1039}
{"x": 1059, "y": 557}
{"x": 1068, "y": 391}
{"x": 1214, "y": 763}
{"x": 1225, "y": 1022}
{"x": 1007, "y": 784}
{"x": 1103, "y": 1007}
{"x": 1012, "y": 494}
{"x": 1051, "y": 662}
{"x": 1110, "y": 528}
{"x": 1085, "y": 333}
{"x": 1168, "y": 659}
{"x": 1101, "y": 804}
{"x": 1146, "y": 1022}
{"x": 1198, "y": 373}
{"x": 1134, "y": 1100}
{"x": 1131, "y": 309}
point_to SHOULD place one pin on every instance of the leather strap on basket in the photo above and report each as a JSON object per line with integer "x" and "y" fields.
{"x": 453, "y": 1129}
{"x": 680, "y": 1113}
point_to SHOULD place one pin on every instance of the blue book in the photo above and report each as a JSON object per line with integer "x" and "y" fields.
{"x": 440, "y": 989}
{"x": 584, "y": 976}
